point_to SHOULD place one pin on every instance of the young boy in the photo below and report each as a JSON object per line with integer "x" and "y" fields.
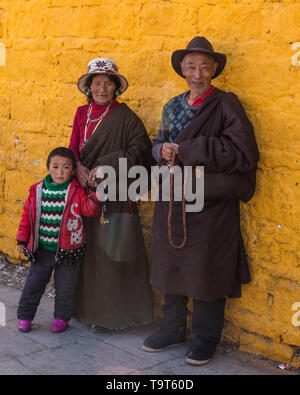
{"x": 51, "y": 234}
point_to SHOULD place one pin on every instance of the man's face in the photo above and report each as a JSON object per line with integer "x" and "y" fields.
{"x": 198, "y": 70}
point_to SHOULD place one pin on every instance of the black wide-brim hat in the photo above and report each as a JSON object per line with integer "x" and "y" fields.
{"x": 198, "y": 44}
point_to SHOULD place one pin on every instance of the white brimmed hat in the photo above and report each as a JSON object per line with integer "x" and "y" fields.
{"x": 101, "y": 66}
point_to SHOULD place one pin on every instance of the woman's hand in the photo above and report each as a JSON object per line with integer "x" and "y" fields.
{"x": 82, "y": 174}
{"x": 96, "y": 175}
{"x": 168, "y": 150}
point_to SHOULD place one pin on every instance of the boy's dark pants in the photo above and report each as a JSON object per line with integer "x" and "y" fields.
{"x": 65, "y": 281}
{"x": 207, "y": 318}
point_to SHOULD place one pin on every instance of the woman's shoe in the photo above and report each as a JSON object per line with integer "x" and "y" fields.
{"x": 24, "y": 326}
{"x": 59, "y": 326}
{"x": 163, "y": 339}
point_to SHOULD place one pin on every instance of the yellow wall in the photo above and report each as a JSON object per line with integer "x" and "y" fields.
{"x": 48, "y": 44}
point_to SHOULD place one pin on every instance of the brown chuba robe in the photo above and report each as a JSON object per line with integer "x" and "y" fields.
{"x": 115, "y": 293}
{"x": 213, "y": 263}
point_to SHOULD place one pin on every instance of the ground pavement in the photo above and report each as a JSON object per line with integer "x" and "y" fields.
{"x": 79, "y": 351}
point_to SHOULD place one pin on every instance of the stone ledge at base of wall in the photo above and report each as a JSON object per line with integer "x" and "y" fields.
{"x": 261, "y": 346}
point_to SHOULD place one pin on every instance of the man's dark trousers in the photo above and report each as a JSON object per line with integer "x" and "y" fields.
{"x": 207, "y": 318}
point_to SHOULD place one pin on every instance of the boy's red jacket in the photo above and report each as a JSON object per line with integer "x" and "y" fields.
{"x": 72, "y": 235}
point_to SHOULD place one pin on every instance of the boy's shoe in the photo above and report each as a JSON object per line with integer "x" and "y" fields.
{"x": 200, "y": 351}
{"x": 59, "y": 326}
{"x": 163, "y": 339}
{"x": 24, "y": 326}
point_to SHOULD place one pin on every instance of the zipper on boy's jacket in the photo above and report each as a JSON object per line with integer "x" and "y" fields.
{"x": 72, "y": 193}
{"x": 31, "y": 225}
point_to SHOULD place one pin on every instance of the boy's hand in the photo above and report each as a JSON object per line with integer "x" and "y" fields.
{"x": 21, "y": 248}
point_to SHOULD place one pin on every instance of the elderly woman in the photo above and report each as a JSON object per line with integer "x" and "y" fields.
{"x": 114, "y": 291}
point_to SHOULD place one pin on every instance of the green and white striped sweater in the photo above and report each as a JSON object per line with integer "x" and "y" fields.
{"x": 53, "y": 204}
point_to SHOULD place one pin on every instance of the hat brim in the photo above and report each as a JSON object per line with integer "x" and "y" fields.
{"x": 82, "y": 82}
{"x": 178, "y": 56}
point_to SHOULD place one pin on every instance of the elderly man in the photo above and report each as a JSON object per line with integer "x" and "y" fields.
{"x": 204, "y": 126}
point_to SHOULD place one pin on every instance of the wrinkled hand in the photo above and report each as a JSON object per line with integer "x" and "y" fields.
{"x": 168, "y": 150}
{"x": 96, "y": 175}
{"x": 82, "y": 174}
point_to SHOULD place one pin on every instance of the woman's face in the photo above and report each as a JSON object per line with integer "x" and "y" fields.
{"x": 102, "y": 89}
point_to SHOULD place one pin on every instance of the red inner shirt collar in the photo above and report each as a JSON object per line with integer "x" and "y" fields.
{"x": 200, "y": 99}
{"x": 101, "y": 107}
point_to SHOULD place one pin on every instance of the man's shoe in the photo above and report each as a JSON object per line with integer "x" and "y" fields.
{"x": 59, "y": 326}
{"x": 163, "y": 339}
{"x": 201, "y": 351}
{"x": 24, "y": 326}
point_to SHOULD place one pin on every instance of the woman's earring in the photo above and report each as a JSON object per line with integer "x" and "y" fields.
{"x": 87, "y": 93}
{"x": 117, "y": 93}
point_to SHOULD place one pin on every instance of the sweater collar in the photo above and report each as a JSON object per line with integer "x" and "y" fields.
{"x": 51, "y": 186}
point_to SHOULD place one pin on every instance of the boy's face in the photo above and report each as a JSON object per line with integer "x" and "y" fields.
{"x": 60, "y": 169}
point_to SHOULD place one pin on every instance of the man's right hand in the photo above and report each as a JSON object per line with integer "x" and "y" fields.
{"x": 168, "y": 150}
{"x": 82, "y": 174}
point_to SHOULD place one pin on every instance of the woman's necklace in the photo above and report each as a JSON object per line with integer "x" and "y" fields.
{"x": 100, "y": 119}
